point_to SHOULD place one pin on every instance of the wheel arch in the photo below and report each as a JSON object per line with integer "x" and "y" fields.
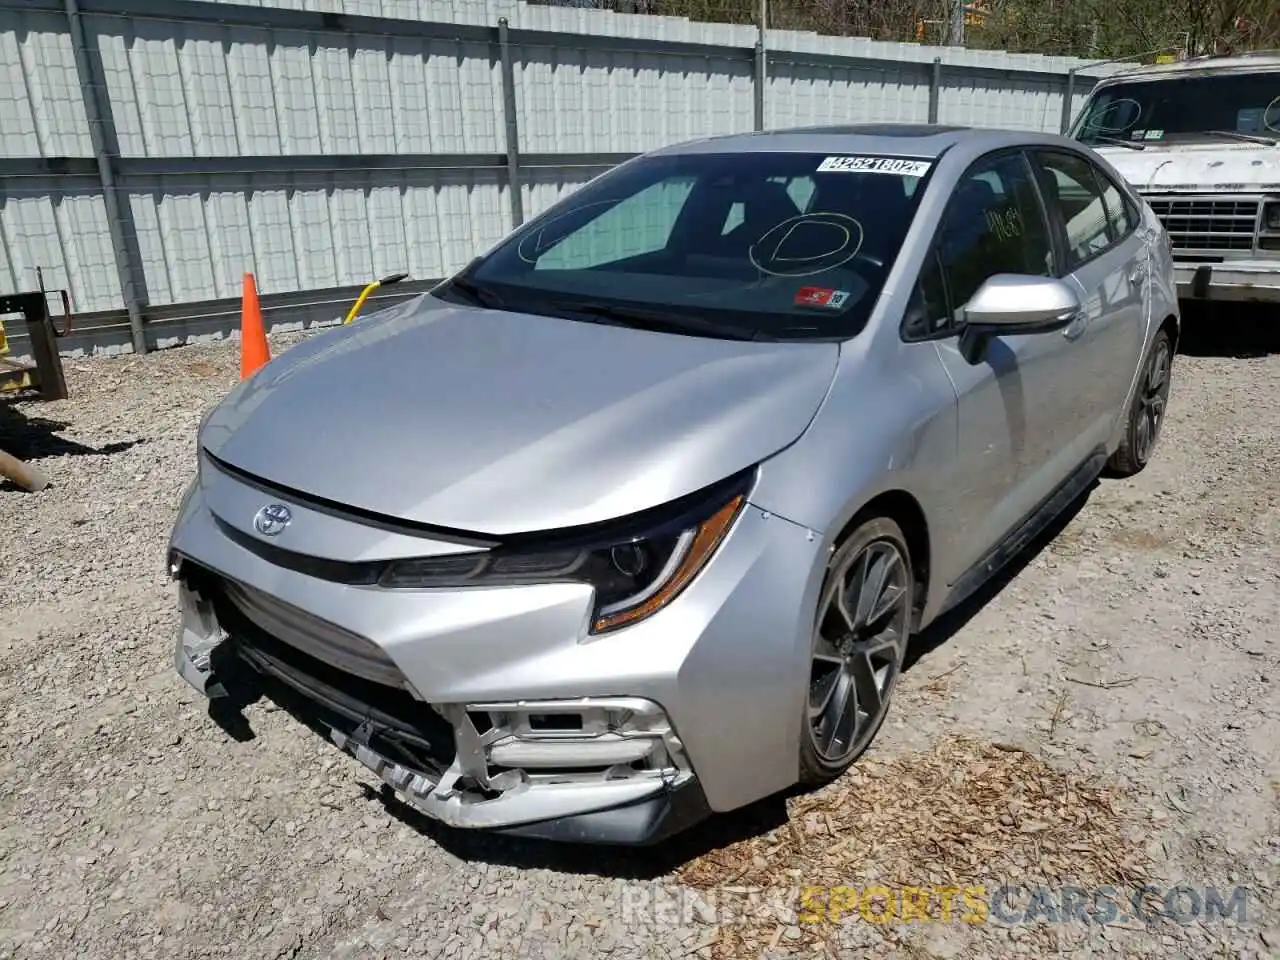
{"x": 1173, "y": 325}
{"x": 904, "y": 510}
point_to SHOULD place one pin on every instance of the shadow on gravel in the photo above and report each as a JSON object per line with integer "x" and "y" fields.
{"x": 1230, "y": 330}
{"x": 33, "y": 438}
{"x": 953, "y": 621}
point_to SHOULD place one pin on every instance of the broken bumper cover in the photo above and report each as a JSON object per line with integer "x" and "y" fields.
{"x": 1242, "y": 281}
{"x": 492, "y": 708}
{"x": 616, "y": 805}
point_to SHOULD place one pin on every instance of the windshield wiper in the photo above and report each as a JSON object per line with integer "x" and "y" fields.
{"x": 481, "y": 296}
{"x": 644, "y": 319}
{"x": 1120, "y": 143}
{"x": 1245, "y": 137}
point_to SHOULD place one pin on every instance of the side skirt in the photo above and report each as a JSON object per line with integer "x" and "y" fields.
{"x": 1035, "y": 523}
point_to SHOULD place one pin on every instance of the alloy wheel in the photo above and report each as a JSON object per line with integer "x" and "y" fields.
{"x": 858, "y": 650}
{"x": 1152, "y": 400}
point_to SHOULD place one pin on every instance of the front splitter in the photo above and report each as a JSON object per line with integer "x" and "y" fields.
{"x": 644, "y": 823}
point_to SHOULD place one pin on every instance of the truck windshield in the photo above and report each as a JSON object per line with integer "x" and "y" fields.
{"x": 1184, "y": 108}
{"x": 761, "y": 245}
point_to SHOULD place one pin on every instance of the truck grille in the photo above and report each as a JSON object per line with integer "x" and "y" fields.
{"x": 1208, "y": 223}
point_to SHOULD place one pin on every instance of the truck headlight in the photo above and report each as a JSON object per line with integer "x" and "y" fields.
{"x": 1271, "y": 216}
{"x": 637, "y": 566}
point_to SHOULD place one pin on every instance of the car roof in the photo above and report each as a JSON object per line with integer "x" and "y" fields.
{"x": 917, "y": 140}
{"x": 1257, "y": 60}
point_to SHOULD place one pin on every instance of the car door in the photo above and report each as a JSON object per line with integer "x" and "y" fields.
{"x": 1125, "y": 219}
{"x": 1009, "y": 405}
{"x": 1109, "y": 259}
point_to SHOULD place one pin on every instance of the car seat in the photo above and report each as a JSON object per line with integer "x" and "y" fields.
{"x": 767, "y": 205}
{"x": 878, "y": 203}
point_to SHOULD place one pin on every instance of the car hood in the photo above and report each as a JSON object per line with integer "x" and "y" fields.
{"x": 1198, "y": 167}
{"x": 497, "y": 422}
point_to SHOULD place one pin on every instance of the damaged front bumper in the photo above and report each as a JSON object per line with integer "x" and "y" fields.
{"x": 603, "y": 770}
{"x": 494, "y": 708}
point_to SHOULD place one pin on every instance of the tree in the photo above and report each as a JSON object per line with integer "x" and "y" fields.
{"x": 1094, "y": 29}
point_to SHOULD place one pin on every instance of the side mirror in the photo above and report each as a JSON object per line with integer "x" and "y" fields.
{"x": 1015, "y": 304}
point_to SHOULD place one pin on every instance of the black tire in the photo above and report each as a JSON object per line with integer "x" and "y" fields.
{"x": 1146, "y": 411}
{"x": 873, "y": 538}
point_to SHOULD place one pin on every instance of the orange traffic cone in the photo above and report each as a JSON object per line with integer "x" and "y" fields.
{"x": 254, "y": 352}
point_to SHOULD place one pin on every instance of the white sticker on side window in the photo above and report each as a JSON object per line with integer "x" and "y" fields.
{"x": 893, "y": 165}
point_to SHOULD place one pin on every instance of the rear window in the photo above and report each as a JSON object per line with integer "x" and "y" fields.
{"x": 789, "y": 245}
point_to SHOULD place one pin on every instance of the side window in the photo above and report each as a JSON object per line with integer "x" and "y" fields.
{"x": 1121, "y": 217}
{"x": 641, "y": 223}
{"x": 993, "y": 224}
{"x": 1072, "y": 189}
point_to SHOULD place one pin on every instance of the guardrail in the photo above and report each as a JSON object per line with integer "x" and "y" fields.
{"x": 107, "y": 332}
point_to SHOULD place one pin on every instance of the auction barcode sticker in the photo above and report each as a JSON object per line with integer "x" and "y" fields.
{"x": 894, "y": 165}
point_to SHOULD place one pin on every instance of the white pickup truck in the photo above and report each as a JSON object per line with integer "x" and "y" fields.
{"x": 1200, "y": 140}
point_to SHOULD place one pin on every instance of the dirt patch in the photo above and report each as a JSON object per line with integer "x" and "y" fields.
{"x": 882, "y": 844}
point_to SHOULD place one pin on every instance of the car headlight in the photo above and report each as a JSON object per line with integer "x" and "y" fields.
{"x": 637, "y": 566}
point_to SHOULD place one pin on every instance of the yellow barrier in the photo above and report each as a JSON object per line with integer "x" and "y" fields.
{"x": 369, "y": 288}
{"x": 13, "y": 376}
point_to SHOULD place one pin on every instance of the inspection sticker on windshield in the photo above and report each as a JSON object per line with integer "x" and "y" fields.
{"x": 893, "y": 165}
{"x": 823, "y": 297}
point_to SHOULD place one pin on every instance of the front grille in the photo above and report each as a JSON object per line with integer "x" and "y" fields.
{"x": 1208, "y": 223}
{"x": 318, "y": 638}
{"x": 352, "y": 573}
{"x": 404, "y": 728}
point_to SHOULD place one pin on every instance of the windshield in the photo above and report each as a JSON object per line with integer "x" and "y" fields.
{"x": 747, "y": 245}
{"x": 1182, "y": 108}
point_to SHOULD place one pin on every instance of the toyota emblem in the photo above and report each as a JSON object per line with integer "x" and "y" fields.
{"x": 272, "y": 519}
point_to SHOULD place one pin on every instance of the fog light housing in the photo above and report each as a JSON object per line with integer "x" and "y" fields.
{"x": 589, "y": 738}
{"x": 606, "y": 751}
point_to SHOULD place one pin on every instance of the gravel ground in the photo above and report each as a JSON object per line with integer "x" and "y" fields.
{"x": 1107, "y": 715}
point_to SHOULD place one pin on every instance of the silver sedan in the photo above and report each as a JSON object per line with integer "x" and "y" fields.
{"x": 632, "y": 520}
